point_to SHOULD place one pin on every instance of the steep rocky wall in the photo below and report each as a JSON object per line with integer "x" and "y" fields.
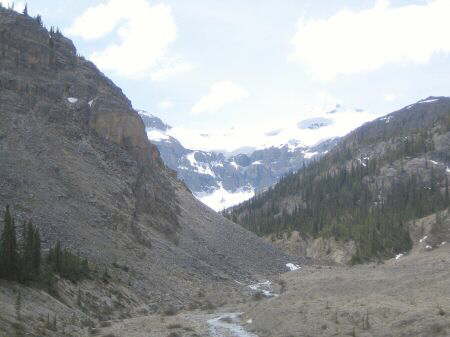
{"x": 74, "y": 157}
{"x": 42, "y": 74}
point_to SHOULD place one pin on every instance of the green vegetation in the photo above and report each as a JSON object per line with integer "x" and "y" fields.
{"x": 66, "y": 264}
{"x": 348, "y": 196}
{"x": 21, "y": 260}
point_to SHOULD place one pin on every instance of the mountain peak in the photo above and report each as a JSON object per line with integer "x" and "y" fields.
{"x": 153, "y": 122}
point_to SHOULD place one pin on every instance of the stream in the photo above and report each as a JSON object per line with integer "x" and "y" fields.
{"x": 228, "y": 325}
{"x": 218, "y": 324}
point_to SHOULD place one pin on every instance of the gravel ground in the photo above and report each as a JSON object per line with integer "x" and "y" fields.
{"x": 405, "y": 297}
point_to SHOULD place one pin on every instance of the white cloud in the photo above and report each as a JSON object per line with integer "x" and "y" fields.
{"x": 142, "y": 37}
{"x": 259, "y": 134}
{"x": 390, "y": 97}
{"x": 17, "y": 5}
{"x": 165, "y": 105}
{"x": 170, "y": 67}
{"x": 351, "y": 42}
{"x": 220, "y": 94}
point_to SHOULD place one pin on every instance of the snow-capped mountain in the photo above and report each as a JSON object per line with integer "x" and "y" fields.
{"x": 221, "y": 180}
{"x": 306, "y": 129}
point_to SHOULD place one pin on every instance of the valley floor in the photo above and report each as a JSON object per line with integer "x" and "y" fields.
{"x": 405, "y": 297}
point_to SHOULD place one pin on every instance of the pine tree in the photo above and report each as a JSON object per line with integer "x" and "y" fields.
{"x": 447, "y": 196}
{"x": 30, "y": 260}
{"x": 18, "y": 306}
{"x": 26, "y": 259}
{"x": 37, "y": 254}
{"x": 39, "y": 20}
{"x": 57, "y": 257}
{"x": 9, "y": 256}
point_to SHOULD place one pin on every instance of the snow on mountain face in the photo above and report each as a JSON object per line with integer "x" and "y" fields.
{"x": 157, "y": 135}
{"x": 314, "y": 123}
{"x": 220, "y": 199}
{"x": 305, "y": 129}
{"x": 224, "y": 179}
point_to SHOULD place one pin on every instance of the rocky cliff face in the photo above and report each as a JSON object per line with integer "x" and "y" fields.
{"x": 61, "y": 95}
{"x": 323, "y": 250}
{"x": 75, "y": 158}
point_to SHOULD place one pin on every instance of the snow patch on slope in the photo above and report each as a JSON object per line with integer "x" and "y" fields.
{"x": 309, "y": 155}
{"x": 220, "y": 198}
{"x": 429, "y": 100}
{"x": 292, "y": 266}
{"x": 236, "y": 166}
{"x": 399, "y": 256}
{"x": 264, "y": 287}
{"x": 157, "y": 135}
{"x": 202, "y": 168}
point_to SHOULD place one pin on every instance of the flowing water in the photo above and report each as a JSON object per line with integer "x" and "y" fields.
{"x": 228, "y": 325}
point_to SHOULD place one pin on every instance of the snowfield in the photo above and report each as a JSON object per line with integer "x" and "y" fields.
{"x": 201, "y": 168}
{"x": 157, "y": 135}
{"x": 340, "y": 121}
{"x": 221, "y": 198}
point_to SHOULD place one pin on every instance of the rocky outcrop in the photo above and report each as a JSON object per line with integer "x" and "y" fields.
{"x": 321, "y": 249}
{"x": 75, "y": 158}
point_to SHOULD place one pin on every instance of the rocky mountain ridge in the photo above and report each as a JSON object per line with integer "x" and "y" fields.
{"x": 385, "y": 173}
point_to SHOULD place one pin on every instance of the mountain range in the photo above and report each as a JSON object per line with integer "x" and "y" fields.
{"x": 223, "y": 179}
{"x": 365, "y": 190}
{"x": 75, "y": 159}
{"x": 100, "y": 237}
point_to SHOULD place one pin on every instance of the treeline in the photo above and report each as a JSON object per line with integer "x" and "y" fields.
{"x": 350, "y": 199}
{"x": 21, "y": 259}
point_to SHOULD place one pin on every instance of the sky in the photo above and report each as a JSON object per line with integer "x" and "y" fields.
{"x": 219, "y": 65}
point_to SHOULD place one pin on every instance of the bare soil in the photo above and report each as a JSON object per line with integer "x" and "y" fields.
{"x": 405, "y": 297}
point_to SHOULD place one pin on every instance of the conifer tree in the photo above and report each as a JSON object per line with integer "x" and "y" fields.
{"x": 9, "y": 256}
{"x": 30, "y": 260}
{"x": 39, "y": 20}
{"x": 27, "y": 251}
{"x": 447, "y": 196}
{"x": 37, "y": 254}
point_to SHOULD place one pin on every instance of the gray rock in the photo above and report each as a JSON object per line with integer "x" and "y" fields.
{"x": 75, "y": 158}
